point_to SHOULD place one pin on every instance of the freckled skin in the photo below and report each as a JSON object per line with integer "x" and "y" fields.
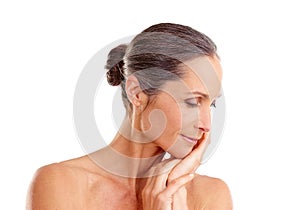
{"x": 81, "y": 184}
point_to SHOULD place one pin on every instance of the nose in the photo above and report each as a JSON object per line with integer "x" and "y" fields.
{"x": 204, "y": 119}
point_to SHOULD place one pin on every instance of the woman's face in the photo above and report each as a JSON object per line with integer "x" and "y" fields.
{"x": 186, "y": 106}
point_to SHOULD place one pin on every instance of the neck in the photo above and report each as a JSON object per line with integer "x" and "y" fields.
{"x": 135, "y": 149}
{"x": 127, "y": 155}
{"x": 135, "y": 142}
{"x": 122, "y": 165}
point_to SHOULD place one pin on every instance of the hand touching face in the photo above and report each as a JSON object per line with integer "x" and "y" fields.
{"x": 187, "y": 104}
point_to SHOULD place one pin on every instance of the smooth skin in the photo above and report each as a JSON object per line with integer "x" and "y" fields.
{"x": 81, "y": 184}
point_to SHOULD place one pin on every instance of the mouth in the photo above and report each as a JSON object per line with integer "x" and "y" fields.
{"x": 189, "y": 139}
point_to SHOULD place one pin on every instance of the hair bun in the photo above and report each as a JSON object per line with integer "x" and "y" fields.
{"x": 115, "y": 65}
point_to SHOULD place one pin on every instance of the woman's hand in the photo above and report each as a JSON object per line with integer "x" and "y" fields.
{"x": 167, "y": 191}
{"x": 191, "y": 162}
{"x": 157, "y": 196}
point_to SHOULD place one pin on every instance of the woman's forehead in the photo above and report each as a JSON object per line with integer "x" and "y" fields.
{"x": 205, "y": 66}
{"x": 203, "y": 74}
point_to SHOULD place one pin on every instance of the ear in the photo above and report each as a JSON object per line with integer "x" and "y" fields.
{"x": 134, "y": 93}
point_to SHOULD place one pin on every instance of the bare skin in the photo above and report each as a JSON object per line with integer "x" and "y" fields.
{"x": 81, "y": 184}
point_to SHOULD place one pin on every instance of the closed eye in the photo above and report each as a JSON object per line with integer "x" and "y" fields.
{"x": 193, "y": 102}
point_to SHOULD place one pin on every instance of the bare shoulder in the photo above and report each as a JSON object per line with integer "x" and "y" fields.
{"x": 55, "y": 186}
{"x": 210, "y": 193}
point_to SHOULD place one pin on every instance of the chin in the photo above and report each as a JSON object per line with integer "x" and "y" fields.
{"x": 180, "y": 152}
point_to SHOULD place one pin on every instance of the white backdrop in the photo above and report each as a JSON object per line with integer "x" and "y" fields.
{"x": 44, "y": 47}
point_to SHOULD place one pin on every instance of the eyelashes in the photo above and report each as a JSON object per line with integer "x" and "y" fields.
{"x": 213, "y": 104}
{"x": 196, "y": 102}
{"x": 192, "y": 102}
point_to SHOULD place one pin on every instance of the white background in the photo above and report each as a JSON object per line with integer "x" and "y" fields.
{"x": 45, "y": 45}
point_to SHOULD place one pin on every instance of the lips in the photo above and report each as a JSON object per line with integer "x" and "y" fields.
{"x": 189, "y": 139}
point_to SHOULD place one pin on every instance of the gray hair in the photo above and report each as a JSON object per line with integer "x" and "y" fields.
{"x": 156, "y": 55}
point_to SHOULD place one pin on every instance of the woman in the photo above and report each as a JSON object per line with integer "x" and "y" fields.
{"x": 170, "y": 77}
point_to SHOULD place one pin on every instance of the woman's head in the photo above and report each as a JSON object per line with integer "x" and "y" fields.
{"x": 154, "y": 56}
{"x": 164, "y": 60}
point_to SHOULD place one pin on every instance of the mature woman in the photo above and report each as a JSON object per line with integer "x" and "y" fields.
{"x": 170, "y": 77}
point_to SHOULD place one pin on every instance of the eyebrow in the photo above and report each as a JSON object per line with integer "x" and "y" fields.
{"x": 199, "y": 93}
{"x": 203, "y": 94}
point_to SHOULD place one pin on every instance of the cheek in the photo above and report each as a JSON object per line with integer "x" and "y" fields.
{"x": 166, "y": 118}
{"x": 174, "y": 118}
{"x": 189, "y": 117}
{"x": 179, "y": 148}
{"x": 172, "y": 112}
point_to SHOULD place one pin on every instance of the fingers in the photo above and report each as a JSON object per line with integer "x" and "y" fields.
{"x": 191, "y": 162}
{"x": 180, "y": 199}
{"x": 200, "y": 147}
{"x": 196, "y": 155}
{"x": 157, "y": 194}
{"x": 158, "y": 176}
{"x": 153, "y": 187}
{"x": 165, "y": 185}
{"x": 176, "y": 184}
{"x": 160, "y": 182}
